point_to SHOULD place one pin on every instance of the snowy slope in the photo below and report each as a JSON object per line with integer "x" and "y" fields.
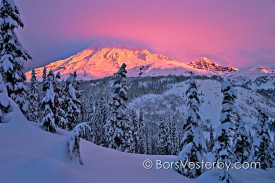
{"x": 93, "y": 63}
{"x": 211, "y": 98}
{"x": 254, "y": 78}
{"x": 30, "y": 155}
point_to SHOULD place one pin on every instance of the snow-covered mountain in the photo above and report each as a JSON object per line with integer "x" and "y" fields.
{"x": 208, "y": 64}
{"x": 264, "y": 70}
{"x": 94, "y": 63}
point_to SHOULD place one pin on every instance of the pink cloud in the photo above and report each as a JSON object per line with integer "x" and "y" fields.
{"x": 183, "y": 29}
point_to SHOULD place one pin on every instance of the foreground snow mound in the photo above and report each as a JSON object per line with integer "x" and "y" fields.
{"x": 30, "y": 155}
{"x": 9, "y": 110}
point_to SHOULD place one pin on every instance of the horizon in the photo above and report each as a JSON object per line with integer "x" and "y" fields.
{"x": 237, "y": 34}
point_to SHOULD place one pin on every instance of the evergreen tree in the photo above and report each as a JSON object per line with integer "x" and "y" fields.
{"x": 163, "y": 135}
{"x": 33, "y": 114}
{"x": 48, "y": 103}
{"x": 72, "y": 102}
{"x": 193, "y": 142}
{"x": 262, "y": 146}
{"x": 87, "y": 108}
{"x": 118, "y": 128}
{"x": 273, "y": 150}
{"x": 103, "y": 108}
{"x": 52, "y": 103}
{"x": 136, "y": 134}
{"x": 81, "y": 130}
{"x": 250, "y": 136}
{"x": 223, "y": 148}
{"x": 148, "y": 141}
{"x": 93, "y": 121}
{"x": 41, "y": 112}
{"x": 44, "y": 76}
{"x": 141, "y": 142}
{"x": 59, "y": 101}
{"x": 12, "y": 54}
{"x": 173, "y": 137}
{"x": 211, "y": 141}
{"x": 99, "y": 116}
{"x": 90, "y": 106}
{"x": 242, "y": 145}
{"x": 4, "y": 100}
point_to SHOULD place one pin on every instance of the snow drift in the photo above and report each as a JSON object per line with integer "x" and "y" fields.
{"x": 29, "y": 154}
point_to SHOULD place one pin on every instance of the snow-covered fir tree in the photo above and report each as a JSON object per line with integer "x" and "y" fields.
{"x": 163, "y": 137}
{"x": 48, "y": 103}
{"x": 193, "y": 143}
{"x": 119, "y": 128}
{"x": 139, "y": 134}
{"x": 139, "y": 138}
{"x": 99, "y": 115}
{"x": 250, "y": 136}
{"x": 148, "y": 141}
{"x": 91, "y": 107}
{"x": 242, "y": 143}
{"x": 211, "y": 141}
{"x": 13, "y": 54}
{"x": 262, "y": 150}
{"x": 87, "y": 107}
{"x": 4, "y": 100}
{"x": 53, "y": 103}
{"x": 59, "y": 101}
{"x": 173, "y": 140}
{"x": 274, "y": 148}
{"x": 136, "y": 134}
{"x": 72, "y": 102}
{"x": 93, "y": 122}
{"x": 141, "y": 142}
{"x": 33, "y": 113}
{"x": 223, "y": 149}
{"x": 44, "y": 78}
{"x": 44, "y": 75}
{"x": 82, "y": 130}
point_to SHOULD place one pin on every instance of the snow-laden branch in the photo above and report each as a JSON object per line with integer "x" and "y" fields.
{"x": 81, "y": 130}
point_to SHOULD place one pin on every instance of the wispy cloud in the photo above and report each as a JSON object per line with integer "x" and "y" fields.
{"x": 238, "y": 33}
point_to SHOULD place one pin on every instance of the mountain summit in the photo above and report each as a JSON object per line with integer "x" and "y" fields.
{"x": 263, "y": 70}
{"x": 94, "y": 63}
{"x": 207, "y": 64}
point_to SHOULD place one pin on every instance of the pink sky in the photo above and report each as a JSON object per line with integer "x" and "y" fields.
{"x": 239, "y": 33}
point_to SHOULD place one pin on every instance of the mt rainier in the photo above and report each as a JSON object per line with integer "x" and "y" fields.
{"x": 94, "y": 63}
